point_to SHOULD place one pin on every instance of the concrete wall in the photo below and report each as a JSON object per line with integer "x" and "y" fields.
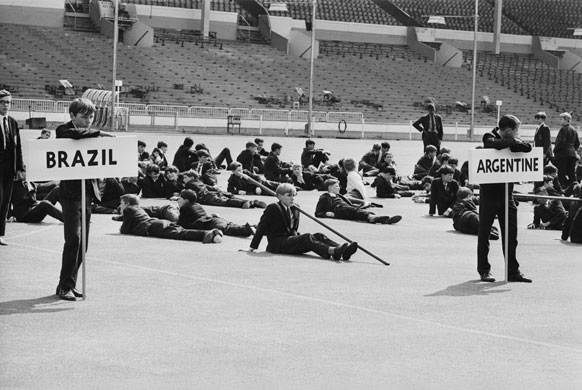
{"x": 47, "y": 13}
{"x": 136, "y": 33}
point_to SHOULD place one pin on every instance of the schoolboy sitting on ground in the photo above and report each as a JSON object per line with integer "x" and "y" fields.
{"x": 385, "y": 186}
{"x": 425, "y": 163}
{"x": 332, "y": 204}
{"x": 26, "y": 207}
{"x": 280, "y": 222}
{"x": 355, "y": 185}
{"x": 193, "y": 216}
{"x": 137, "y": 222}
{"x": 548, "y": 214}
{"x": 465, "y": 215}
{"x": 443, "y": 192}
{"x": 312, "y": 159}
{"x": 239, "y": 184}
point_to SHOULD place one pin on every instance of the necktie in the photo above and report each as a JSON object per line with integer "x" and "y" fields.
{"x": 432, "y": 125}
{"x": 4, "y": 133}
{"x": 291, "y": 219}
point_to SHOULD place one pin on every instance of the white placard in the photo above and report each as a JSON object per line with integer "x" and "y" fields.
{"x": 504, "y": 166}
{"x": 88, "y": 158}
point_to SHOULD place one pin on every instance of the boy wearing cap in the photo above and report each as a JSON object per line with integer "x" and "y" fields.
{"x": 334, "y": 205}
{"x": 431, "y": 127}
{"x": 565, "y": 151}
{"x": 542, "y": 137}
{"x": 280, "y": 222}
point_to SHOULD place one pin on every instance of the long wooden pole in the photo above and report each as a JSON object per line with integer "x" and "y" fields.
{"x": 271, "y": 192}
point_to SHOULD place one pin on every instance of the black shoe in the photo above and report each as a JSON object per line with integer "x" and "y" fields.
{"x": 350, "y": 250}
{"x": 487, "y": 277}
{"x": 249, "y": 230}
{"x": 339, "y": 251}
{"x": 77, "y": 293}
{"x": 66, "y": 295}
{"x": 394, "y": 219}
{"x": 213, "y": 236}
{"x": 518, "y": 277}
{"x": 383, "y": 219}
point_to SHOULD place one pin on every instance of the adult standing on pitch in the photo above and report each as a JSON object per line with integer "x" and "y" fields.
{"x": 542, "y": 137}
{"x": 567, "y": 142}
{"x": 431, "y": 127}
{"x": 11, "y": 165}
{"x": 493, "y": 202}
{"x": 82, "y": 113}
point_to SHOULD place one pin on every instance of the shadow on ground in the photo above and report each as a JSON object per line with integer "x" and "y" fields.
{"x": 470, "y": 288}
{"x": 32, "y": 306}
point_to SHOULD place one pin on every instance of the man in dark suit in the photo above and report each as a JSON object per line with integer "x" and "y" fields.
{"x": 11, "y": 165}
{"x": 280, "y": 222}
{"x": 431, "y": 127}
{"x": 542, "y": 137}
{"x": 567, "y": 142}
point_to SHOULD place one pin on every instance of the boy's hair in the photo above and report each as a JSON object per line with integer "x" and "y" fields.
{"x": 385, "y": 145}
{"x": 191, "y": 173}
{"x": 286, "y": 188}
{"x": 430, "y": 148}
{"x": 376, "y": 147}
{"x": 509, "y": 122}
{"x": 250, "y": 144}
{"x": 141, "y": 143}
{"x": 444, "y": 157}
{"x": 154, "y": 168}
{"x": 426, "y": 179}
{"x": 540, "y": 115}
{"x": 550, "y": 169}
{"x": 430, "y": 107}
{"x": 446, "y": 170}
{"x": 309, "y": 142}
{"x": 566, "y": 115}
{"x": 329, "y": 182}
{"x": 275, "y": 146}
{"x": 162, "y": 144}
{"x": 548, "y": 179}
{"x": 189, "y": 195}
{"x": 188, "y": 142}
{"x": 157, "y": 150}
{"x": 234, "y": 165}
{"x": 349, "y": 164}
{"x": 45, "y": 131}
{"x": 171, "y": 169}
{"x": 200, "y": 147}
{"x": 202, "y": 153}
{"x": 464, "y": 192}
{"x": 445, "y": 150}
{"x": 296, "y": 166}
{"x": 4, "y": 93}
{"x": 388, "y": 170}
{"x": 453, "y": 161}
{"x": 81, "y": 106}
{"x": 130, "y": 199}
{"x": 259, "y": 140}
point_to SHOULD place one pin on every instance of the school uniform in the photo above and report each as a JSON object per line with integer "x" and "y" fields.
{"x": 137, "y": 222}
{"x": 214, "y": 198}
{"x": 193, "y": 216}
{"x": 341, "y": 206}
{"x": 247, "y": 159}
{"x": 184, "y": 157}
{"x": 153, "y": 189}
{"x": 422, "y": 167}
{"x": 492, "y": 202}
{"x": 27, "y": 208}
{"x": 10, "y": 163}
{"x": 70, "y": 199}
{"x": 280, "y": 225}
{"x": 565, "y": 155}
{"x": 276, "y": 170}
{"x": 543, "y": 139}
{"x": 442, "y": 196}
{"x": 431, "y": 127}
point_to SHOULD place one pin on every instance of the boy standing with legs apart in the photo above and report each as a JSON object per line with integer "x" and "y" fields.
{"x": 493, "y": 202}
{"x": 280, "y": 222}
{"x": 82, "y": 112}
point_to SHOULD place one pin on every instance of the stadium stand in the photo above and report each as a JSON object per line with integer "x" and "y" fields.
{"x": 419, "y": 9}
{"x": 215, "y": 5}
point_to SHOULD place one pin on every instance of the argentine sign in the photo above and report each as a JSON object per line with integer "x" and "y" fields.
{"x": 88, "y": 158}
{"x": 504, "y": 166}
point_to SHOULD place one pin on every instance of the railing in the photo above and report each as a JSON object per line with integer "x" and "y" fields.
{"x": 51, "y": 106}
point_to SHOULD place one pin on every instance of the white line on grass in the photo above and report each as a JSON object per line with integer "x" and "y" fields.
{"x": 324, "y": 301}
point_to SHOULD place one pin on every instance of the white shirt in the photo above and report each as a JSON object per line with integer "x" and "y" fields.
{"x": 355, "y": 182}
